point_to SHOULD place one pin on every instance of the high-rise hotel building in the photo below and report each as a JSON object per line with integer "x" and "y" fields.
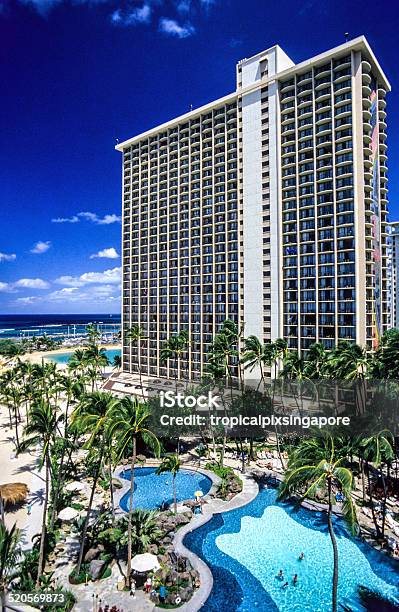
{"x": 267, "y": 206}
{"x": 393, "y": 273}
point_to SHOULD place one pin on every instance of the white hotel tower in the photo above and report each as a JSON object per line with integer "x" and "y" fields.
{"x": 267, "y": 206}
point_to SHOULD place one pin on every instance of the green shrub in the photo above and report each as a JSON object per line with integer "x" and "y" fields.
{"x": 106, "y": 573}
{"x": 80, "y": 578}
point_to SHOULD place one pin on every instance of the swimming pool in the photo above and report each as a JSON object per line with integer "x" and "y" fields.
{"x": 245, "y": 549}
{"x": 152, "y": 491}
{"x": 63, "y": 358}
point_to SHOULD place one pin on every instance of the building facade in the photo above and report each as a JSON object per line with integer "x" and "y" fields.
{"x": 267, "y": 207}
{"x": 393, "y": 274}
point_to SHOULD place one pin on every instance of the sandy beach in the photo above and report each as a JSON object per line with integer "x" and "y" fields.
{"x": 23, "y": 468}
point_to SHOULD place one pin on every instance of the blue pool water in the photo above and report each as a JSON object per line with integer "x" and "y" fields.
{"x": 65, "y": 357}
{"x": 152, "y": 490}
{"x": 246, "y": 548}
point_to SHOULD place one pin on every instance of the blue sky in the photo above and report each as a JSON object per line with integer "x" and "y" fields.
{"x": 79, "y": 74}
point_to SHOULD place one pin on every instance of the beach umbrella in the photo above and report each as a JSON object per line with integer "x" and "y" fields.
{"x": 198, "y": 494}
{"x": 74, "y": 486}
{"x": 145, "y": 563}
{"x": 68, "y": 514}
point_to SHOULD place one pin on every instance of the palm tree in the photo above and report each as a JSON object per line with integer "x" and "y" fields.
{"x": 41, "y": 430}
{"x": 324, "y": 472}
{"x": 10, "y": 552}
{"x": 91, "y": 417}
{"x": 129, "y": 422}
{"x": 117, "y": 362}
{"x": 78, "y": 362}
{"x": 135, "y": 335}
{"x": 377, "y": 449}
{"x": 96, "y": 361}
{"x": 12, "y": 395}
{"x": 223, "y": 352}
{"x": 173, "y": 349}
{"x": 93, "y": 333}
{"x": 145, "y": 530}
{"x": 349, "y": 361}
{"x": 73, "y": 390}
{"x": 316, "y": 360}
{"x": 385, "y": 362}
{"x": 171, "y": 463}
{"x": 255, "y": 356}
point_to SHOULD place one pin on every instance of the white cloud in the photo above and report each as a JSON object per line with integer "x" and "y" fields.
{"x": 89, "y": 216}
{"x": 5, "y": 286}
{"x": 73, "y": 219}
{"x": 110, "y": 253}
{"x": 91, "y": 295}
{"x": 94, "y": 218}
{"x": 172, "y": 28}
{"x": 7, "y": 257}
{"x": 73, "y": 294}
{"x": 112, "y": 276}
{"x": 32, "y": 283}
{"x": 141, "y": 14}
{"x": 41, "y": 247}
{"x": 27, "y": 301}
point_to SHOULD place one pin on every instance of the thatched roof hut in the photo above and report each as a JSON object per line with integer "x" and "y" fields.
{"x": 13, "y": 492}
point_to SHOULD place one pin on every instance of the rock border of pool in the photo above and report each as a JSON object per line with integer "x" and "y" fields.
{"x": 119, "y": 493}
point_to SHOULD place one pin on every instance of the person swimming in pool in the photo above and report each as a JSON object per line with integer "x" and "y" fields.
{"x": 280, "y": 575}
{"x": 301, "y": 556}
{"x": 285, "y": 585}
{"x": 295, "y": 579}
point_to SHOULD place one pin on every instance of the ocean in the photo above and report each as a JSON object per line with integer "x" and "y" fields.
{"x": 56, "y": 325}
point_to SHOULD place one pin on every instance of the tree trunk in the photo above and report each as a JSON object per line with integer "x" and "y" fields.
{"x": 44, "y": 522}
{"x": 384, "y": 501}
{"x": 60, "y": 479}
{"x": 174, "y": 493}
{"x": 111, "y": 489}
{"x": 363, "y": 482}
{"x": 139, "y": 367}
{"x": 57, "y": 491}
{"x": 86, "y": 523}
{"x": 335, "y": 548}
{"x": 16, "y": 427}
{"x": 129, "y": 527}
{"x": 2, "y": 517}
{"x": 376, "y": 525}
{"x": 280, "y": 456}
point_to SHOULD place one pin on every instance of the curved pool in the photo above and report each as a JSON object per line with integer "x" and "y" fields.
{"x": 152, "y": 491}
{"x": 245, "y": 549}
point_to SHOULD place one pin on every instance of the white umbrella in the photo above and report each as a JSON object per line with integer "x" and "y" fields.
{"x": 74, "y": 486}
{"x": 145, "y": 563}
{"x": 68, "y": 514}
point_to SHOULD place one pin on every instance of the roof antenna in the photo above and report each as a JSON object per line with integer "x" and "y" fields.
{"x": 346, "y": 36}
